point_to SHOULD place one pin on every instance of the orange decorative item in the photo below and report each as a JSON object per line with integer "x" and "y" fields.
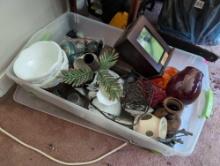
{"x": 163, "y": 80}
{"x": 120, "y": 20}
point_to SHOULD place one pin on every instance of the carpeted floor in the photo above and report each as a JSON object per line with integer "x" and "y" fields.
{"x": 73, "y": 143}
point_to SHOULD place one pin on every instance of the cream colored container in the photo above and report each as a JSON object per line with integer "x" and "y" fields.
{"x": 151, "y": 126}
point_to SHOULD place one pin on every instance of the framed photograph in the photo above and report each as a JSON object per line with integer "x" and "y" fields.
{"x": 144, "y": 49}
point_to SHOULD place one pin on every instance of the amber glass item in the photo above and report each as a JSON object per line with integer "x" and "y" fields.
{"x": 163, "y": 80}
{"x": 186, "y": 85}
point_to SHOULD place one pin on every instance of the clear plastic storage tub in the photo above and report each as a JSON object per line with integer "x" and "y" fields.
{"x": 191, "y": 120}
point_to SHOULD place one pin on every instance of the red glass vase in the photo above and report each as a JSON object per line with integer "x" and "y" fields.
{"x": 186, "y": 85}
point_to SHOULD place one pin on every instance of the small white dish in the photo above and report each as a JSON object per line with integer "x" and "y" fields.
{"x": 38, "y": 61}
{"x": 114, "y": 109}
{"x": 104, "y": 99}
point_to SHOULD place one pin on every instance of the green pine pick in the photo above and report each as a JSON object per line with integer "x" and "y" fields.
{"x": 108, "y": 59}
{"x": 77, "y": 77}
{"x": 109, "y": 85}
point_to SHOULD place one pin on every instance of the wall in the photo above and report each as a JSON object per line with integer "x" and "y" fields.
{"x": 21, "y": 18}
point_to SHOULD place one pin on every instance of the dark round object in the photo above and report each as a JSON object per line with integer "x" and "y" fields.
{"x": 186, "y": 85}
{"x": 147, "y": 117}
{"x": 149, "y": 133}
{"x": 89, "y": 58}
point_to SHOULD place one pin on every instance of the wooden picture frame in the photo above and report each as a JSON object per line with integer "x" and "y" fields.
{"x": 134, "y": 54}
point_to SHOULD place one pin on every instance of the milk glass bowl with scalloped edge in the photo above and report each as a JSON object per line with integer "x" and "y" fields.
{"x": 35, "y": 63}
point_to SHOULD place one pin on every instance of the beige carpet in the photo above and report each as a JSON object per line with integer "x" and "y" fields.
{"x": 73, "y": 143}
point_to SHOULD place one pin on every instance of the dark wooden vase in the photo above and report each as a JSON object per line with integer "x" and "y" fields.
{"x": 186, "y": 85}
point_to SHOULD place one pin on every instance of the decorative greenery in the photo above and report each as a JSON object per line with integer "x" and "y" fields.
{"x": 77, "y": 77}
{"x": 107, "y": 83}
{"x": 108, "y": 59}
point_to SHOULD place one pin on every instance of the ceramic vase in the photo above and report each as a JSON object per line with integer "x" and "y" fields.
{"x": 171, "y": 109}
{"x": 174, "y": 108}
{"x": 186, "y": 85}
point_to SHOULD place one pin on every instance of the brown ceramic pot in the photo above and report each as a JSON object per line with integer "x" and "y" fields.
{"x": 186, "y": 85}
{"x": 173, "y": 124}
{"x": 170, "y": 105}
{"x": 173, "y": 106}
{"x": 171, "y": 109}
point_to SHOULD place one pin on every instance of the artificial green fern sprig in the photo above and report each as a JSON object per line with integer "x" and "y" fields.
{"x": 109, "y": 85}
{"x": 108, "y": 59}
{"x": 77, "y": 77}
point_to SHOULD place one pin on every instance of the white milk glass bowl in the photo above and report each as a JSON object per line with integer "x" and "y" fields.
{"x": 55, "y": 78}
{"x": 37, "y": 62}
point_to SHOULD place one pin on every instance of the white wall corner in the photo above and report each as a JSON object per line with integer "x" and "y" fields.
{"x": 5, "y": 84}
{"x": 19, "y": 20}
